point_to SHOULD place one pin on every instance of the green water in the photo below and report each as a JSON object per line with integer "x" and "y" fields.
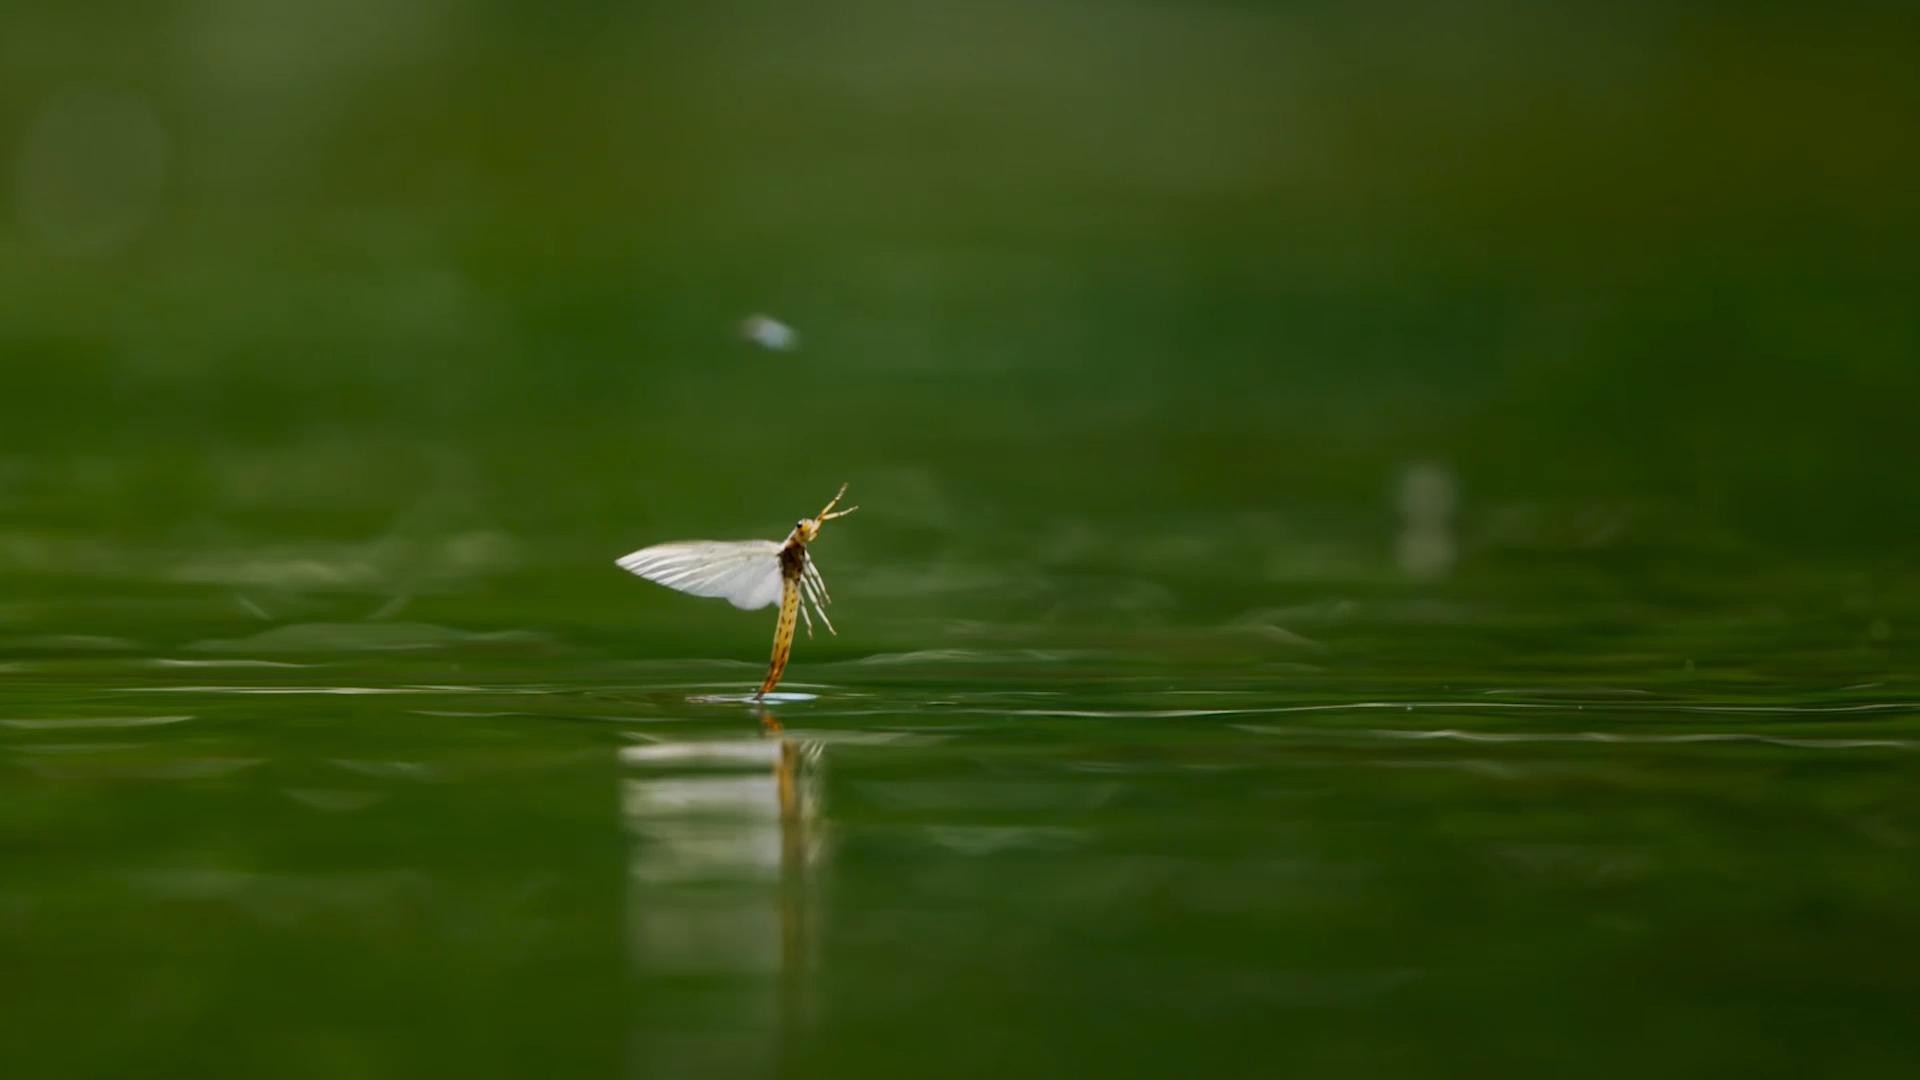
{"x": 533, "y": 857}
{"x": 1386, "y": 548}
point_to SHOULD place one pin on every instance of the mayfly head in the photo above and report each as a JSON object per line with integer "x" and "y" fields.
{"x": 806, "y": 529}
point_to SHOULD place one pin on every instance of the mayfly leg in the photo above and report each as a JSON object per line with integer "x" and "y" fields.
{"x": 815, "y": 591}
{"x": 812, "y": 571}
{"x": 820, "y": 612}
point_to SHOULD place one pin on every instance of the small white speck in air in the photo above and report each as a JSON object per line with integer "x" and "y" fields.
{"x": 769, "y": 333}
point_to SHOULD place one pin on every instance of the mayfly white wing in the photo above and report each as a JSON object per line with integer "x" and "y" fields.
{"x": 744, "y": 573}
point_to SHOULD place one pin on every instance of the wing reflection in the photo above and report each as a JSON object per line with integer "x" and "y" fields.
{"x": 722, "y": 910}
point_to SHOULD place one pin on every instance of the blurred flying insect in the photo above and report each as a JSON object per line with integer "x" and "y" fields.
{"x": 750, "y": 574}
{"x": 769, "y": 333}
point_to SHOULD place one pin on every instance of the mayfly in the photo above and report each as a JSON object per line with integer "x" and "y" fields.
{"x": 750, "y": 574}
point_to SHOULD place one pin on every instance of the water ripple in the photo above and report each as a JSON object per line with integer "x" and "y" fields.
{"x": 195, "y": 768}
{"x": 1475, "y": 705}
{"x": 73, "y": 723}
{"x": 168, "y": 662}
{"x": 350, "y": 690}
{"x": 970, "y": 656}
{"x": 1671, "y": 738}
{"x": 775, "y": 698}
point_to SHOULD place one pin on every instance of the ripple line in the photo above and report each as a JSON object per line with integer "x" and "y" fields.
{"x": 1456, "y": 735}
{"x": 1473, "y": 705}
{"x": 74, "y": 723}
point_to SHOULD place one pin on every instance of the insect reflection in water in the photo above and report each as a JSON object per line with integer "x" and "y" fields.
{"x": 726, "y": 838}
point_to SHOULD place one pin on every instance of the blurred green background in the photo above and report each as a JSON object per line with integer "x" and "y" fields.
{"x": 1308, "y": 352}
{"x": 1048, "y": 260}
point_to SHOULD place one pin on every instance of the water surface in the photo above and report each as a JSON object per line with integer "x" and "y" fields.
{"x": 469, "y": 854}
